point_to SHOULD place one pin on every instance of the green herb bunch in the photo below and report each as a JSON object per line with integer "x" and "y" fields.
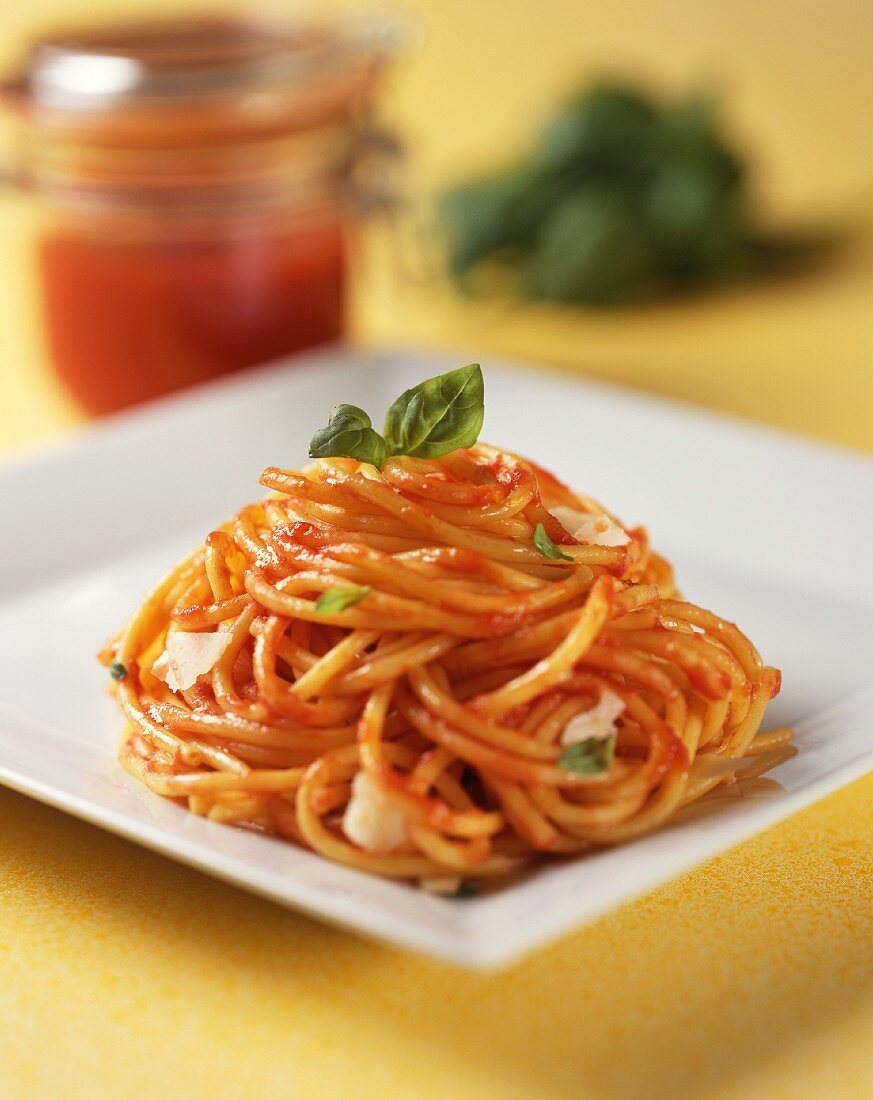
{"x": 621, "y": 197}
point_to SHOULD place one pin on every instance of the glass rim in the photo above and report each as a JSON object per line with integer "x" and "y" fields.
{"x": 140, "y": 65}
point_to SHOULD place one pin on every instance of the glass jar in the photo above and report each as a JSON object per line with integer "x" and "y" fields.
{"x": 195, "y": 181}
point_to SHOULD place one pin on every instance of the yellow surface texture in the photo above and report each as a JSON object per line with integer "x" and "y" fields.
{"x": 123, "y": 974}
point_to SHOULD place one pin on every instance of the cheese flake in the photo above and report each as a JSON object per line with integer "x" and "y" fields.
{"x": 189, "y": 656}
{"x": 591, "y": 527}
{"x": 371, "y": 820}
{"x": 598, "y": 723}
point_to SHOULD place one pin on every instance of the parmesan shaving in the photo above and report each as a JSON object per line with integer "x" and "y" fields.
{"x": 189, "y": 656}
{"x": 598, "y": 723}
{"x": 371, "y": 820}
{"x": 591, "y": 527}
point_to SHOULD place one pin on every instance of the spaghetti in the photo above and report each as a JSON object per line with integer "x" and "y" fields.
{"x": 421, "y": 672}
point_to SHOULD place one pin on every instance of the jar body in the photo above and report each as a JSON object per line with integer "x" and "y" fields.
{"x": 194, "y": 179}
{"x": 133, "y": 312}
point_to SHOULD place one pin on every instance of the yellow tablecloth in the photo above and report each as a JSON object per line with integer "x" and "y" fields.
{"x": 125, "y": 975}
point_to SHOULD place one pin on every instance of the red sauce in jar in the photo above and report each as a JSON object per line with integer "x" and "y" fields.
{"x": 128, "y": 321}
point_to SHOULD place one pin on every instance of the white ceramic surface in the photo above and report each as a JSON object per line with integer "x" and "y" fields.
{"x": 770, "y": 530}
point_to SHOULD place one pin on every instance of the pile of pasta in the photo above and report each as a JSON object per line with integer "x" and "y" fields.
{"x": 440, "y": 671}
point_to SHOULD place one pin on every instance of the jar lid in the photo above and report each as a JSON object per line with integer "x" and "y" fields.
{"x": 164, "y": 82}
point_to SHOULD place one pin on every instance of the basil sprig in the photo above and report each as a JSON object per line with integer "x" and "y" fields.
{"x": 589, "y": 757}
{"x": 334, "y": 600}
{"x": 546, "y": 547}
{"x": 435, "y": 417}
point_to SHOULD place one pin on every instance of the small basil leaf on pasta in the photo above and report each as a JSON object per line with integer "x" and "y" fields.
{"x": 351, "y": 415}
{"x": 589, "y": 757}
{"x": 117, "y": 670}
{"x": 349, "y": 434}
{"x": 338, "y": 599}
{"x": 546, "y": 547}
{"x": 440, "y": 415}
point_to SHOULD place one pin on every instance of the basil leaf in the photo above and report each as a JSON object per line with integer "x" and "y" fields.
{"x": 117, "y": 670}
{"x": 588, "y": 757}
{"x": 351, "y": 416}
{"x": 348, "y": 434}
{"x": 594, "y": 247}
{"x": 546, "y": 547}
{"x": 437, "y": 416}
{"x": 498, "y": 214}
{"x": 334, "y": 600}
{"x": 606, "y": 132}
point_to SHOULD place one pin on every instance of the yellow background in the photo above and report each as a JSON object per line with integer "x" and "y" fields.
{"x": 123, "y": 974}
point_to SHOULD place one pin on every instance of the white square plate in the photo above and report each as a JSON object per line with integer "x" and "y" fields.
{"x": 769, "y": 530}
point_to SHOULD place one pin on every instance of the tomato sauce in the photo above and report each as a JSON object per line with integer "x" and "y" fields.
{"x": 128, "y": 321}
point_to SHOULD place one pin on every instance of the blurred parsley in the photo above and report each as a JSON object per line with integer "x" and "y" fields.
{"x": 622, "y": 197}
